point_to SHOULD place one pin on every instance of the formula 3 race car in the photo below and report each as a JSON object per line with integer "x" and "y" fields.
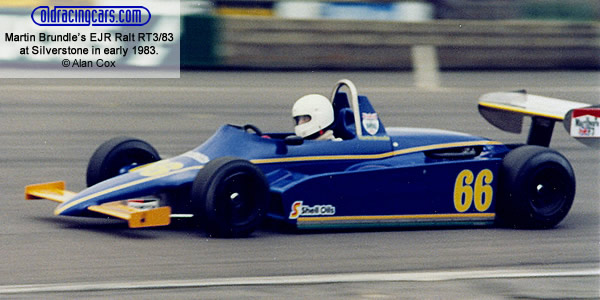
{"x": 374, "y": 177}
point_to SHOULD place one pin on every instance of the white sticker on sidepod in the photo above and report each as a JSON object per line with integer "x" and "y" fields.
{"x": 197, "y": 156}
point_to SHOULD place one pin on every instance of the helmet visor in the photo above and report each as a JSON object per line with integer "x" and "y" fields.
{"x": 301, "y": 119}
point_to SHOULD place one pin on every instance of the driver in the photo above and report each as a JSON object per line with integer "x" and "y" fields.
{"x": 313, "y": 115}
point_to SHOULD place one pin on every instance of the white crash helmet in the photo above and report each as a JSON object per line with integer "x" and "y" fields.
{"x": 318, "y": 109}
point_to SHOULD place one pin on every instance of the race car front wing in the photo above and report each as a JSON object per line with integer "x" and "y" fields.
{"x": 136, "y": 218}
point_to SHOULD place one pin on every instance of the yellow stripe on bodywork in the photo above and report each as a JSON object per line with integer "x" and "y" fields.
{"x": 60, "y": 209}
{"x": 397, "y": 217}
{"x": 372, "y": 156}
{"x": 520, "y": 110}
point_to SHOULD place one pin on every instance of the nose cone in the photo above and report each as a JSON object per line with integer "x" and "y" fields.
{"x": 140, "y": 183}
{"x": 122, "y": 187}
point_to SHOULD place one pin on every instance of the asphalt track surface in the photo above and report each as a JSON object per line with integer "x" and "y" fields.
{"x": 51, "y": 127}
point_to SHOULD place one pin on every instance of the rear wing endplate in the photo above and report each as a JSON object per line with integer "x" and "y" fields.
{"x": 506, "y": 110}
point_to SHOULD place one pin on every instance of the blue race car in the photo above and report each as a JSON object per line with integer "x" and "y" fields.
{"x": 374, "y": 177}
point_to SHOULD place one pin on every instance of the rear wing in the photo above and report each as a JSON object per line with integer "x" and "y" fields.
{"x": 506, "y": 110}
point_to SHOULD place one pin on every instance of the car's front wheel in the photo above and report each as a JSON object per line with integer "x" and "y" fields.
{"x": 116, "y": 156}
{"x": 537, "y": 188}
{"x": 230, "y": 196}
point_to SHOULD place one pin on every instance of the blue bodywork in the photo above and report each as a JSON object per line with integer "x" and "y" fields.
{"x": 384, "y": 177}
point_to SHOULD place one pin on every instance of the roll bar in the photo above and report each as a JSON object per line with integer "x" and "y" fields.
{"x": 353, "y": 102}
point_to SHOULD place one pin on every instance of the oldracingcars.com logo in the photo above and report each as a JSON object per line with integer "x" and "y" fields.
{"x": 91, "y": 16}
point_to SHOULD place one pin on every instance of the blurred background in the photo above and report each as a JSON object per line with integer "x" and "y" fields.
{"x": 391, "y": 35}
{"x": 380, "y": 35}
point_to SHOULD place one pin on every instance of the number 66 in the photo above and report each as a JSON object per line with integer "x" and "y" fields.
{"x": 481, "y": 194}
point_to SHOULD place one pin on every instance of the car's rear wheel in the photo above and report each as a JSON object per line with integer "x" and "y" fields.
{"x": 117, "y": 156}
{"x": 537, "y": 188}
{"x": 230, "y": 196}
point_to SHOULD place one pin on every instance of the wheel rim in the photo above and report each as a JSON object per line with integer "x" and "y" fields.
{"x": 549, "y": 190}
{"x": 238, "y": 198}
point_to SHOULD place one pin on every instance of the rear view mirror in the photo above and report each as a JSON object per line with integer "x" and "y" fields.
{"x": 293, "y": 140}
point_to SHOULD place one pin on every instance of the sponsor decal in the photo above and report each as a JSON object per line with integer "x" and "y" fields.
{"x": 585, "y": 123}
{"x": 299, "y": 209}
{"x": 143, "y": 204}
{"x": 370, "y": 122}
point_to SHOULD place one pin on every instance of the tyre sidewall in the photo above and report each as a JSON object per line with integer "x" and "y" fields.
{"x": 521, "y": 169}
{"x": 212, "y": 212}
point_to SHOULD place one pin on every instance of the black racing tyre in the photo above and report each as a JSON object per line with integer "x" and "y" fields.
{"x": 115, "y": 154}
{"x": 537, "y": 188}
{"x": 230, "y": 196}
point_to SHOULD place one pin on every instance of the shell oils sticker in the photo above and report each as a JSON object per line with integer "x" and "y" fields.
{"x": 299, "y": 209}
{"x": 160, "y": 168}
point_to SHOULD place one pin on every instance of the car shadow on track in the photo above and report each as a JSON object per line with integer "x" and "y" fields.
{"x": 119, "y": 228}
{"x": 116, "y": 227}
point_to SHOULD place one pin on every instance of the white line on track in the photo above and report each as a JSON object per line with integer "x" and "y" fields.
{"x": 425, "y": 276}
{"x": 204, "y": 89}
